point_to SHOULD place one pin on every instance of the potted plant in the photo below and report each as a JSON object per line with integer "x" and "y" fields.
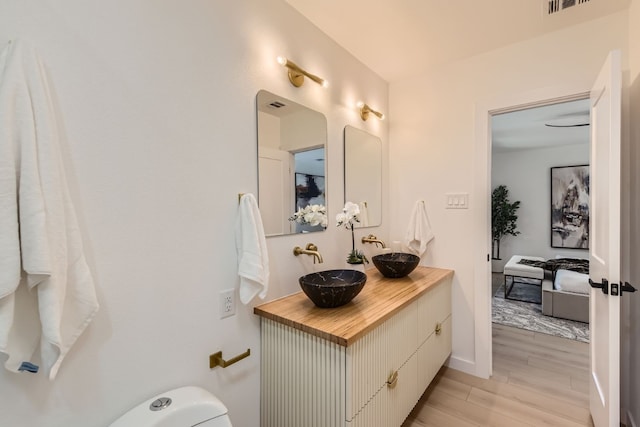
{"x": 349, "y": 215}
{"x": 503, "y": 218}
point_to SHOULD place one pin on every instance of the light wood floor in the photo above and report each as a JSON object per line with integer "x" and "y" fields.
{"x": 538, "y": 379}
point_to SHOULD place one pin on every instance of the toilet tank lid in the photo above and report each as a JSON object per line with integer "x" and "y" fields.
{"x": 189, "y": 406}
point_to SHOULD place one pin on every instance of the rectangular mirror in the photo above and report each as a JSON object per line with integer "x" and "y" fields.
{"x": 291, "y": 164}
{"x": 363, "y": 174}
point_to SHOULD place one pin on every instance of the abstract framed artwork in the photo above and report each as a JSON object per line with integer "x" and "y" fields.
{"x": 570, "y": 207}
{"x": 309, "y": 190}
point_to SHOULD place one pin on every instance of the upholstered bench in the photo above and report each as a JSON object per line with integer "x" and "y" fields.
{"x": 521, "y": 273}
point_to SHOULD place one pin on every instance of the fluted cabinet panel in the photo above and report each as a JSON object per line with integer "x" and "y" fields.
{"x": 302, "y": 378}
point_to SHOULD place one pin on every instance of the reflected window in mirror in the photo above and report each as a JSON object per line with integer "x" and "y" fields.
{"x": 363, "y": 174}
{"x": 291, "y": 165}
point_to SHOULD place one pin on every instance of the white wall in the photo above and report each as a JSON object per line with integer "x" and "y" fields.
{"x": 434, "y": 141}
{"x": 631, "y": 233}
{"x": 526, "y": 173}
{"x": 158, "y": 100}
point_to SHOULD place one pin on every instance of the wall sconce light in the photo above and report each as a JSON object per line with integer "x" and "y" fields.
{"x": 297, "y": 74}
{"x": 365, "y": 110}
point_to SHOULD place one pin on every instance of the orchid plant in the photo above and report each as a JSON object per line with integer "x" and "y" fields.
{"x": 311, "y": 214}
{"x": 351, "y": 214}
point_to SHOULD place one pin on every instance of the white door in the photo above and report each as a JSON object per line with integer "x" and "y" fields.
{"x": 274, "y": 167}
{"x": 604, "y": 253}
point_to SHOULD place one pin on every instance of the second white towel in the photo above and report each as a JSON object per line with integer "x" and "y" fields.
{"x": 419, "y": 232}
{"x": 253, "y": 259}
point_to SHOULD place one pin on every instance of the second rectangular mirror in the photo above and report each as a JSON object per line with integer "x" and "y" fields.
{"x": 363, "y": 174}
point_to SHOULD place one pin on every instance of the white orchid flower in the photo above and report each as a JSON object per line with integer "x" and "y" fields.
{"x": 351, "y": 209}
{"x": 312, "y": 215}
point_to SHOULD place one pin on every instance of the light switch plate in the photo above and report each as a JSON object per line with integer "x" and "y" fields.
{"x": 457, "y": 201}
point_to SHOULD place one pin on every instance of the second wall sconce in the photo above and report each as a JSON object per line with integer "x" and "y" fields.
{"x": 297, "y": 74}
{"x": 365, "y": 110}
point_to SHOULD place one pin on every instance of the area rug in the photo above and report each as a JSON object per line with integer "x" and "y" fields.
{"x": 528, "y": 316}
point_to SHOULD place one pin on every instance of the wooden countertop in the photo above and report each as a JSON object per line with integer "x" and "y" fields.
{"x": 380, "y": 298}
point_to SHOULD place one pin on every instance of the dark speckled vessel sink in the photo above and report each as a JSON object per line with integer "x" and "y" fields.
{"x": 395, "y": 264}
{"x": 332, "y": 288}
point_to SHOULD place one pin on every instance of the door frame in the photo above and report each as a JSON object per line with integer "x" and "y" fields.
{"x": 482, "y": 199}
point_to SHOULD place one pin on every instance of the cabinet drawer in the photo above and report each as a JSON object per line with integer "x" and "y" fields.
{"x": 391, "y": 405}
{"x": 433, "y": 353}
{"x": 433, "y": 307}
{"x": 371, "y": 359}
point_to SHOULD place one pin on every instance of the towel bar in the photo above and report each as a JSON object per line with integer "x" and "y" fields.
{"x": 216, "y": 359}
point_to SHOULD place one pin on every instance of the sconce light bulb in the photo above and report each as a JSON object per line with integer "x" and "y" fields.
{"x": 360, "y": 104}
{"x": 325, "y": 84}
{"x": 382, "y": 116}
{"x": 281, "y": 60}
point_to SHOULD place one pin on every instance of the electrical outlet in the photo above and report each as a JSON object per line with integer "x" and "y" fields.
{"x": 227, "y": 303}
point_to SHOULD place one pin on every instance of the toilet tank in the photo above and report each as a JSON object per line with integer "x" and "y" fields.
{"x": 182, "y": 407}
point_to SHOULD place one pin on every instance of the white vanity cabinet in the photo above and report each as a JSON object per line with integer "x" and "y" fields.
{"x": 363, "y": 364}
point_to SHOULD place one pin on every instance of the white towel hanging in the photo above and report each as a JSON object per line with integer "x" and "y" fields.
{"x": 251, "y": 245}
{"x": 46, "y": 289}
{"x": 419, "y": 232}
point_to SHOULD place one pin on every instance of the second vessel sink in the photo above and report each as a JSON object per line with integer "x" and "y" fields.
{"x": 395, "y": 264}
{"x": 332, "y": 288}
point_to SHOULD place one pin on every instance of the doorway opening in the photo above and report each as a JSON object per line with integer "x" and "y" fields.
{"x": 540, "y": 187}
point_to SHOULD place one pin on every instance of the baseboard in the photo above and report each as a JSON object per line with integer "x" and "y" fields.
{"x": 630, "y": 420}
{"x": 463, "y": 365}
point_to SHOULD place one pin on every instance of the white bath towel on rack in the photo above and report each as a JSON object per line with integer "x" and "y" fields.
{"x": 419, "y": 232}
{"x": 47, "y": 293}
{"x": 251, "y": 244}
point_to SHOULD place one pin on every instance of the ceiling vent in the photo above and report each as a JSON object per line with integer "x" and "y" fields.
{"x": 276, "y": 104}
{"x": 555, "y": 6}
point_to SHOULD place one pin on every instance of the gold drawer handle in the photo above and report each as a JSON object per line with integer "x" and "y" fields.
{"x": 438, "y": 328}
{"x": 392, "y": 380}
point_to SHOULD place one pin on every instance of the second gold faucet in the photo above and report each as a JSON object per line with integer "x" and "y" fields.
{"x": 373, "y": 239}
{"x": 311, "y": 249}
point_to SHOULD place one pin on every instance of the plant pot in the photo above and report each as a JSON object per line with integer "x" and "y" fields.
{"x": 497, "y": 265}
{"x": 358, "y": 267}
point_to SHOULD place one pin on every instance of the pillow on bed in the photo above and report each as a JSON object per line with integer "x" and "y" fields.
{"x": 572, "y": 256}
{"x": 571, "y": 281}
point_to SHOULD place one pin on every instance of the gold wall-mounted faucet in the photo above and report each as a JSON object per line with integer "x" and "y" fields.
{"x": 373, "y": 239}
{"x": 310, "y": 250}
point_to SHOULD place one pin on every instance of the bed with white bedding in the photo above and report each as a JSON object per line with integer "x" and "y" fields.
{"x": 567, "y": 296}
{"x": 571, "y": 281}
